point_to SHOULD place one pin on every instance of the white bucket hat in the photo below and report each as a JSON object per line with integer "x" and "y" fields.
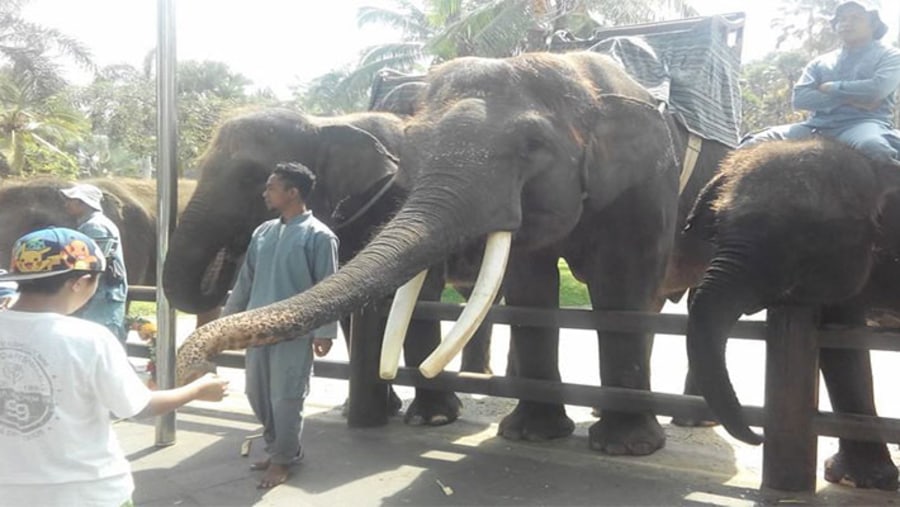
{"x": 88, "y": 194}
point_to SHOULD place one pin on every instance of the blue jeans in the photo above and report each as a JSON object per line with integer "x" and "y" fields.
{"x": 873, "y": 138}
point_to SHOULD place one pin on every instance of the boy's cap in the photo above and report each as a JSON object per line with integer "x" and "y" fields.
{"x": 53, "y": 251}
{"x": 879, "y": 28}
{"x": 88, "y": 194}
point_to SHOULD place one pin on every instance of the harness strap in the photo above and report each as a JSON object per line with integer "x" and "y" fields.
{"x": 365, "y": 207}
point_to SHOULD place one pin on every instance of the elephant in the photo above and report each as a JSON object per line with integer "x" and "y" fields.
{"x": 531, "y": 158}
{"x": 809, "y": 223}
{"x": 357, "y": 189}
{"x": 129, "y": 202}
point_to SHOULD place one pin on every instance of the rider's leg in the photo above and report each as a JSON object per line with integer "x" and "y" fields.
{"x": 871, "y": 138}
{"x": 792, "y": 131}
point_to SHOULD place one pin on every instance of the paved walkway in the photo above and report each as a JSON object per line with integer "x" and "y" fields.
{"x": 401, "y": 465}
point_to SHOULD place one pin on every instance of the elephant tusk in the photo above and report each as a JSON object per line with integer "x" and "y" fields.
{"x": 397, "y": 323}
{"x": 493, "y": 267}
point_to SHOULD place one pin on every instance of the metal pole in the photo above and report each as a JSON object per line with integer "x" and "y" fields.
{"x": 167, "y": 124}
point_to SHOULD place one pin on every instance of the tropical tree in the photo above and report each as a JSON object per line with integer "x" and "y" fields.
{"x": 433, "y": 31}
{"x": 121, "y": 106}
{"x": 37, "y": 118}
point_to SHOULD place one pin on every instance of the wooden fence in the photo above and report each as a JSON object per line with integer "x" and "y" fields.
{"x": 790, "y": 418}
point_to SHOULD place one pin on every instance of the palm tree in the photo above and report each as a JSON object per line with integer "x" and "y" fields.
{"x": 434, "y": 31}
{"x": 36, "y": 116}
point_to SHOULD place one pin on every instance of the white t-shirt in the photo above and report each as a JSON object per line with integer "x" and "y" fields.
{"x": 59, "y": 379}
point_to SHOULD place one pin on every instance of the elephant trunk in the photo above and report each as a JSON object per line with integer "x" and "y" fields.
{"x": 423, "y": 232}
{"x": 726, "y": 292}
{"x": 197, "y": 271}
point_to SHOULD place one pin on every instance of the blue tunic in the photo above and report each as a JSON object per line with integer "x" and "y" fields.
{"x": 858, "y": 111}
{"x": 869, "y": 74}
{"x": 282, "y": 261}
{"x": 107, "y": 306}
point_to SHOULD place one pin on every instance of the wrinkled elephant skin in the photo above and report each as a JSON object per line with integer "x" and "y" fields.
{"x": 130, "y": 203}
{"x": 803, "y": 223}
{"x": 575, "y": 159}
{"x": 357, "y": 189}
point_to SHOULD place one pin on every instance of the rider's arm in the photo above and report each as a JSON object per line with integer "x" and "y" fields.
{"x": 882, "y": 84}
{"x": 806, "y": 95}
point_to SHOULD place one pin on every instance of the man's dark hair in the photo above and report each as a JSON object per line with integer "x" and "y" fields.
{"x": 296, "y": 175}
{"x": 51, "y": 284}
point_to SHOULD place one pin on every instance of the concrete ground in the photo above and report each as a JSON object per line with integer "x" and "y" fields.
{"x": 465, "y": 463}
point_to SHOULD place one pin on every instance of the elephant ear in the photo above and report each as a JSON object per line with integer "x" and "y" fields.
{"x": 350, "y": 162}
{"x": 702, "y": 219}
{"x": 630, "y": 143}
{"x": 113, "y": 207}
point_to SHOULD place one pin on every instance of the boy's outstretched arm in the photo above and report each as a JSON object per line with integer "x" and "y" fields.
{"x": 209, "y": 387}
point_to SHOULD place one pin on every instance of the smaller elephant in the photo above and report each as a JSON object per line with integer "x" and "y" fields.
{"x": 130, "y": 203}
{"x": 807, "y": 223}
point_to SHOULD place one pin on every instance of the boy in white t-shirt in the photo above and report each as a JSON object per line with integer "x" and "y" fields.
{"x": 60, "y": 377}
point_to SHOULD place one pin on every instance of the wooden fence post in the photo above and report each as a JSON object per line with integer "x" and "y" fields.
{"x": 367, "y": 405}
{"x": 792, "y": 399}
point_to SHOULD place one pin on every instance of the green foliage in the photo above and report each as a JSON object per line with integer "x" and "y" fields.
{"x": 572, "y": 293}
{"x": 435, "y": 31}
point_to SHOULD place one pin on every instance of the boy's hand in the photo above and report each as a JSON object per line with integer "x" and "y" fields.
{"x": 211, "y": 387}
{"x": 321, "y": 346}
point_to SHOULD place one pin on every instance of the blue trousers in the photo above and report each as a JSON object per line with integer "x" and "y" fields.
{"x": 873, "y": 138}
{"x": 277, "y": 384}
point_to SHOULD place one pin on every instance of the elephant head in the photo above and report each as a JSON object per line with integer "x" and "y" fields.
{"x": 792, "y": 223}
{"x": 350, "y": 155}
{"x": 521, "y": 148}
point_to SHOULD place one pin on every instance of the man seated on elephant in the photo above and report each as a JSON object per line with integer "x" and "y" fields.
{"x": 286, "y": 256}
{"x": 107, "y": 306}
{"x": 850, "y": 91}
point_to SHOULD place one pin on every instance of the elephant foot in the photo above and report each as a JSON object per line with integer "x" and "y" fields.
{"x": 536, "y": 422}
{"x": 621, "y": 434}
{"x": 394, "y": 405}
{"x": 871, "y": 468}
{"x": 432, "y": 408}
{"x": 690, "y": 422}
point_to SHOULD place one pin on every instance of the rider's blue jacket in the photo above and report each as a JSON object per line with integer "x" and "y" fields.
{"x": 867, "y": 79}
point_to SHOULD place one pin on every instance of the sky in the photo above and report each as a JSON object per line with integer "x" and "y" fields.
{"x": 277, "y": 43}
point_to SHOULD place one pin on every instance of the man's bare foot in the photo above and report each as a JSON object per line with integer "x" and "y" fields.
{"x": 276, "y": 474}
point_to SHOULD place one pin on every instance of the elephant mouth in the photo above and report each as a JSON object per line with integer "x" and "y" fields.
{"x": 218, "y": 272}
{"x": 487, "y": 285}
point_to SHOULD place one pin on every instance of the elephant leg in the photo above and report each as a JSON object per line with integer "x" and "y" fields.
{"x": 429, "y": 407}
{"x": 848, "y": 377}
{"x": 532, "y": 280}
{"x": 690, "y": 389}
{"x": 394, "y": 401}
{"x": 624, "y": 256}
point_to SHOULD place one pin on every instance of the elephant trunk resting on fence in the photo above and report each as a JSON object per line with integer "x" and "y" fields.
{"x": 809, "y": 223}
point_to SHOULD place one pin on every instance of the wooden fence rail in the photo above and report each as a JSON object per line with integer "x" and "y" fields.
{"x": 791, "y": 418}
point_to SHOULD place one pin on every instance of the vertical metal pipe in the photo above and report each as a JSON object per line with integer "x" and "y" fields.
{"x": 166, "y": 178}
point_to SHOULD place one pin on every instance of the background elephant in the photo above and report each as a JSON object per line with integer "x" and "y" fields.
{"x": 572, "y": 157}
{"x": 130, "y": 203}
{"x": 808, "y": 223}
{"x": 358, "y": 188}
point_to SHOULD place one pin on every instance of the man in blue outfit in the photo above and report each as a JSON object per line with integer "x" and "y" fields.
{"x": 286, "y": 256}
{"x": 851, "y": 91}
{"x": 107, "y": 307}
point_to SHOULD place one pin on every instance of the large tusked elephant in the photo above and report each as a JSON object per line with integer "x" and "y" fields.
{"x": 808, "y": 223}
{"x": 129, "y": 202}
{"x": 538, "y": 157}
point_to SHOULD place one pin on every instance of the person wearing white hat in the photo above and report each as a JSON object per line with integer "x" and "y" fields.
{"x": 850, "y": 92}
{"x": 107, "y": 307}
